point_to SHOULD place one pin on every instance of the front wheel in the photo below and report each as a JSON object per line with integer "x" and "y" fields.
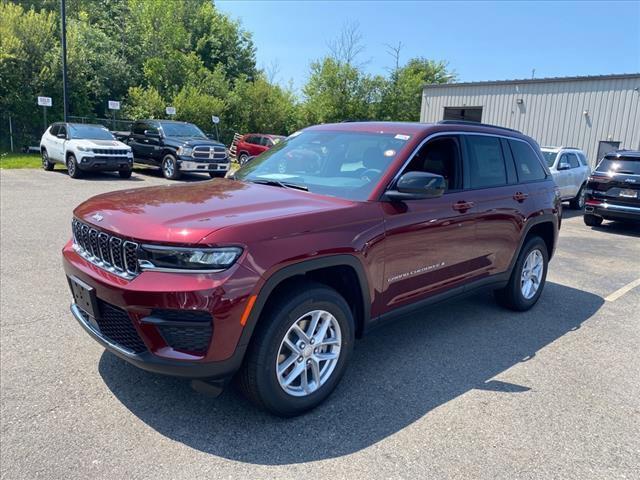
{"x": 527, "y": 278}
{"x": 46, "y": 164}
{"x": 72, "y": 167}
{"x": 299, "y": 352}
{"x": 170, "y": 167}
{"x": 242, "y": 159}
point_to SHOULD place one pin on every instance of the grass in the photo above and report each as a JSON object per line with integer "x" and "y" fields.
{"x": 20, "y": 160}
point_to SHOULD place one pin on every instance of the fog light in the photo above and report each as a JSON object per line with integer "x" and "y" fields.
{"x": 84, "y": 160}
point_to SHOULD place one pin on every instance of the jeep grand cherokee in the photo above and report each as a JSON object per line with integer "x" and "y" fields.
{"x": 270, "y": 275}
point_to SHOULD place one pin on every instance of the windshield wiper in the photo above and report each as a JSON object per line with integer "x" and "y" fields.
{"x": 278, "y": 183}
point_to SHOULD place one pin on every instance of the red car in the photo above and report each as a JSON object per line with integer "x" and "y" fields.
{"x": 253, "y": 144}
{"x": 270, "y": 275}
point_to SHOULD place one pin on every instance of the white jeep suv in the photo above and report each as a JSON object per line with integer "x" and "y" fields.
{"x": 570, "y": 171}
{"x": 84, "y": 147}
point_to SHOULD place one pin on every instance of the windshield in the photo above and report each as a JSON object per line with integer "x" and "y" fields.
{"x": 90, "y": 132}
{"x": 341, "y": 164}
{"x": 181, "y": 130}
{"x": 615, "y": 165}
{"x": 550, "y": 157}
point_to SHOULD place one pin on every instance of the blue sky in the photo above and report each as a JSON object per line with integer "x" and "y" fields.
{"x": 480, "y": 40}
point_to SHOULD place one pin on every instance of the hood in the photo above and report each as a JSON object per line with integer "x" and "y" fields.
{"x": 85, "y": 142}
{"x": 192, "y": 141}
{"x": 186, "y": 213}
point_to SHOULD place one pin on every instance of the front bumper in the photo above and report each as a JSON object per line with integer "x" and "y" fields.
{"x": 187, "y": 164}
{"x": 150, "y": 292}
{"x": 104, "y": 163}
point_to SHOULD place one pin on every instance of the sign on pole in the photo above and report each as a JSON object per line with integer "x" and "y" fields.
{"x": 44, "y": 102}
{"x": 215, "y": 119}
{"x": 113, "y": 105}
{"x": 171, "y": 110}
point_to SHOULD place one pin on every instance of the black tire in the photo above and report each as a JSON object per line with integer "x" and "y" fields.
{"x": 46, "y": 164}
{"x": 125, "y": 173}
{"x": 592, "y": 220}
{"x": 577, "y": 203}
{"x": 217, "y": 174}
{"x": 257, "y": 378}
{"x": 511, "y": 296}
{"x": 169, "y": 167}
{"x": 72, "y": 167}
{"x": 242, "y": 159}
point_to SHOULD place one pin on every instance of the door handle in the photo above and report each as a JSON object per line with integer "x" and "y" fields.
{"x": 520, "y": 196}
{"x": 462, "y": 206}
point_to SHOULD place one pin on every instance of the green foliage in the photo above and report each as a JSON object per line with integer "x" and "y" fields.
{"x": 150, "y": 54}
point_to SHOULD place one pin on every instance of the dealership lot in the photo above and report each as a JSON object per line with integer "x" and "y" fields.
{"x": 464, "y": 389}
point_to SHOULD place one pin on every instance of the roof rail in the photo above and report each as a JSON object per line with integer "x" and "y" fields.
{"x": 468, "y": 122}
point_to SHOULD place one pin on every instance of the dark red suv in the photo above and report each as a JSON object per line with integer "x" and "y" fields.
{"x": 253, "y": 144}
{"x": 270, "y": 275}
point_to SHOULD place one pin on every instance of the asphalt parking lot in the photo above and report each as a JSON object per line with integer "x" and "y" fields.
{"x": 462, "y": 390}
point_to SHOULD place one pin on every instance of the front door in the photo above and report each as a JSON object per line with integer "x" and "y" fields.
{"x": 429, "y": 244}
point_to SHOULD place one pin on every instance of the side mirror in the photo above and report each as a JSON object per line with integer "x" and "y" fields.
{"x": 62, "y": 136}
{"x": 417, "y": 186}
{"x": 152, "y": 133}
{"x": 564, "y": 166}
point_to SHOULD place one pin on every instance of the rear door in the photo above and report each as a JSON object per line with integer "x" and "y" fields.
{"x": 563, "y": 177}
{"x": 491, "y": 178}
{"x": 576, "y": 173}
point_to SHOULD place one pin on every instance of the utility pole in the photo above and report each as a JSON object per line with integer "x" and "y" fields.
{"x": 63, "y": 16}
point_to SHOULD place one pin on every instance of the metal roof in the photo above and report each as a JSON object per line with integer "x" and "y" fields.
{"x": 535, "y": 80}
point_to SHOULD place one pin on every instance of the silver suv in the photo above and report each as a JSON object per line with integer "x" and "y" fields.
{"x": 570, "y": 171}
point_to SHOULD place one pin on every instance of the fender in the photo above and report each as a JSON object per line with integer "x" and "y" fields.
{"x": 301, "y": 268}
{"x": 544, "y": 218}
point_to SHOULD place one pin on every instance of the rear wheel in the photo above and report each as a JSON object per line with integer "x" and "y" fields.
{"x": 299, "y": 352}
{"x": 528, "y": 277}
{"x": 72, "y": 167}
{"x": 592, "y": 220}
{"x": 125, "y": 173}
{"x": 170, "y": 167}
{"x": 578, "y": 202}
{"x": 46, "y": 164}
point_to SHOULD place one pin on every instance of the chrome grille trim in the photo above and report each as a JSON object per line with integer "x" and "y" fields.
{"x": 209, "y": 152}
{"x": 106, "y": 251}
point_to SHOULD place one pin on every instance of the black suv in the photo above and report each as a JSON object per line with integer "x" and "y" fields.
{"x": 613, "y": 190}
{"x": 177, "y": 147}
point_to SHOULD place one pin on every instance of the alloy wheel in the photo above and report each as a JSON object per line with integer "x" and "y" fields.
{"x": 531, "y": 276}
{"x": 167, "y": 166}
{"x": 309, "y": 353}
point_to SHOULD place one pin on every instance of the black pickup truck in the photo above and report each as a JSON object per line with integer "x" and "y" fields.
{"x": 176, "y": 147}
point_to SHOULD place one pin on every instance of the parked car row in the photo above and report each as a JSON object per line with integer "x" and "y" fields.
{"x": 174, "y": 147}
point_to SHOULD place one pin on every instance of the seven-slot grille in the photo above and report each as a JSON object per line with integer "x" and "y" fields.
{"x": 106, "y": 251}
{"x": 213, "y": 152}
{"x": 110, "y": 152}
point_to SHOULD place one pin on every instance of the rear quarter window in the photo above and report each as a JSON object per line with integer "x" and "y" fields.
{"x": 528, "y": 164}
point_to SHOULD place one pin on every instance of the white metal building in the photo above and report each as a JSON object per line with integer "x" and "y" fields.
{"x": 596, "y": 114}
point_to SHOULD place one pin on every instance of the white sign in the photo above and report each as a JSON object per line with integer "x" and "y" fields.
{"x": 171, "y": 110}
{"x": 44, "y": 101}
{"x": 113, "y": 105}
{"x": 215, "y": 119}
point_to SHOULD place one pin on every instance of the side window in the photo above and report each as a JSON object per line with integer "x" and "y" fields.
{"x": 62, "y": 129}
{"x": 528, "y": 164}
{"x": 54, "y": 130}
{"x": 265, "y": 142}
{"x": 583, "y": 159}
{"x": 485, "y": 161}
{"x": 138, "y": 129}
{"x": 573, "y": 160}
{"x": 442, "y": 157}
{"x": 251, "y": 139}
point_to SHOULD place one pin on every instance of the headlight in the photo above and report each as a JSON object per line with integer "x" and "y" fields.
{"x": 186, "y": 151}
{"x": 84, "y": 149}
{"x": 152, "y": 257}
